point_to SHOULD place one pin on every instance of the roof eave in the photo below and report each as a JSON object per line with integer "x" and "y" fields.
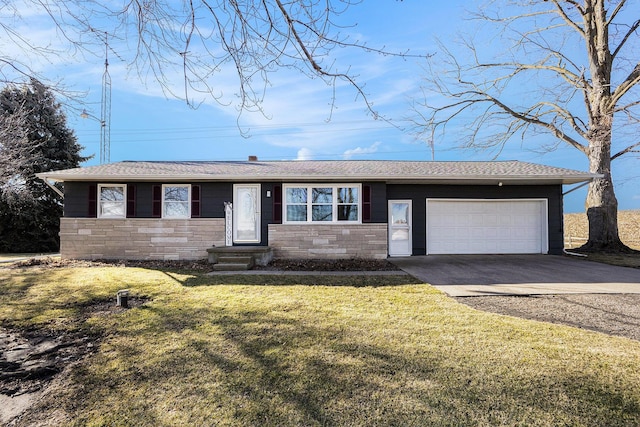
{"x": 480, "y": 179}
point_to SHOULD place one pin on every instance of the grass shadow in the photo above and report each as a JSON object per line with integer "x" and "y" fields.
{"x": 249, "y": 366}
{"x": 207, "y": 350}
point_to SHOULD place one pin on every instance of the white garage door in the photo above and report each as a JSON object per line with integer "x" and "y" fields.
{"x": 487, "y": 226}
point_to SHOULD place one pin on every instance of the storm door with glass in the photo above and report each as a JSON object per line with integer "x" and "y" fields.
{"x": 400, "y": 242}
{"x": 246, "y": 213}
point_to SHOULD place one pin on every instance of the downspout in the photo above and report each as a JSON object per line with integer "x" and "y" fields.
{"x": 576, "y": 188}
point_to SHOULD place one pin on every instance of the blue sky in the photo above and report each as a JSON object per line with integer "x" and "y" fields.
{"x": 299, "y": 122}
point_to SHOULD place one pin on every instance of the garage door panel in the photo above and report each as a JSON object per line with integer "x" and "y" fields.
{"x": 486, "y": 226}
{"x": 505, "y": 221}
{"x": 528, "y": 235}
{"x": 460, "y": 233}
{"x": 489, "y": 220}
{"x": 478, "y": 246}
{"x": 524, "y": 220}
{"x": 443, "y": 232}
{"x": 475, "y": 220}
{"x": 505, "y": 233}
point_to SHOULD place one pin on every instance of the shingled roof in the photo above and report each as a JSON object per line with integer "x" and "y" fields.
{"x": 508, "y": 172}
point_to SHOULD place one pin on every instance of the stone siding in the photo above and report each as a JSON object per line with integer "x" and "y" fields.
{"x": 311, "y": 241}
{"x": 140, "y": 239}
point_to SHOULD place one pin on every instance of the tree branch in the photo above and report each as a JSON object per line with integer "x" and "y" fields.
{"x": 632, "y": 79}
{"x": 615, "y": 12}
{"x": 629, "y": 149}
{"x": 563, "y": 14}
{"x": 532, "y": 119}
{"x": 624, "y": 40}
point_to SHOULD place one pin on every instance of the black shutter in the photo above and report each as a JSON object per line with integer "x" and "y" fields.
{"x": 195, "y": 201}
{"x": 277, "y": 204}
{"x": 92, "y": 208}
{"x": 131, "y": 201}
{"x": 156, "y": 206}
{"x": 366, "y": 203}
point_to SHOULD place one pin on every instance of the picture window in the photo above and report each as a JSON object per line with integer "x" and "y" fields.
{"x": 322, "y": 203}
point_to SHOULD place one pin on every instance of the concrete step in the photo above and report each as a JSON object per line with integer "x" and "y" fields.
{"x": 235, "y": 259}
{"x": 261, "y": 255}
{"x": 230, "y": 267}
{"x": 234, "y": 263}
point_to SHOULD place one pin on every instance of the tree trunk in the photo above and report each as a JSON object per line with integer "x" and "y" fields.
{"x": 601, "y": 203}
{"x": 602, "y": 213}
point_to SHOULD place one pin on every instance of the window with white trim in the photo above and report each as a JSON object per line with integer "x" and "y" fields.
{"x": 176, "y": 201}
{"x": 321, "y": 203}
{"x": 112, "y": 201}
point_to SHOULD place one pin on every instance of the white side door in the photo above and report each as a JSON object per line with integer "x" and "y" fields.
{"x": 246, "y": 213}
{"x": 400, "y": 242}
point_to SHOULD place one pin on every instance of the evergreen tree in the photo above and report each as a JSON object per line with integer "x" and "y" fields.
{"x": 34, "y": 138}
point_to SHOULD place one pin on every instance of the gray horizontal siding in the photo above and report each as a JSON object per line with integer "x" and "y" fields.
{"x": 76, "y": 199}
{"x": 419, "y": 193}
{"x": 213, "y": 196}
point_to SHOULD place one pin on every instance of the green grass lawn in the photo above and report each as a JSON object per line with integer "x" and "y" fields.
{"x": 297, "y": 351}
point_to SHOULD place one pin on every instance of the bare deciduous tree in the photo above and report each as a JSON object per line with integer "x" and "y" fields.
{"x": 569, "y": 68}
{"x": 199, "y": 40}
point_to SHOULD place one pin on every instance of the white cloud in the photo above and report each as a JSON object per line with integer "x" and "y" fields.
{"x": 305, "y": 154}
{"x": 357, "y": 151}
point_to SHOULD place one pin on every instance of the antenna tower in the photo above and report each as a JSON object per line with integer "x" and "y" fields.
{"x": 105, "y": 108}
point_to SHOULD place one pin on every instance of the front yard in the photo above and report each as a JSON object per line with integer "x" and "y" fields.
{"x": 300, "y": 351}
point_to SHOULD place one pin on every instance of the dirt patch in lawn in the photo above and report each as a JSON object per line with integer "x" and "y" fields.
{"x": 33, "y": 360}
{"x": 29, "y": 361}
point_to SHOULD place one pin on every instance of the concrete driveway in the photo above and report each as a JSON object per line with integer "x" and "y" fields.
{"x": 484, "y": 275}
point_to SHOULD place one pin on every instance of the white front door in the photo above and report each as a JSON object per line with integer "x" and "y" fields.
{"x": 400, "y": 243}
{"x": 246, "y": 213}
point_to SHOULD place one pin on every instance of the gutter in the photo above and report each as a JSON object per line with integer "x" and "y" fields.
{"x": 577, "y": 187}
{"x": 452, "y": 179}
{"x": 566, "y": 252}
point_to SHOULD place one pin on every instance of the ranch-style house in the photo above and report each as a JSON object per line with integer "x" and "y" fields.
{"x": 180, "y": 210}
